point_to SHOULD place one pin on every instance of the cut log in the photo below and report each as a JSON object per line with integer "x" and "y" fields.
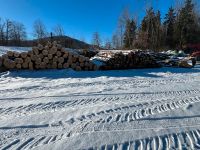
{"x": 25, "y": 65}
{"x": 65, "y": 65}
{"x": 4, "y": 57}
{"x": 45, "y": 52}
{"x": 73, "y": 66}
{"x": 46, "y": 60}
{"x": 82, "y": 64}
{"x": 55, "y": 59}
{"x": 78, "y": 68}
{"x": 53, "y": 50}
{"x": 12, "y": 65}
{"x": 59, "y": 46}
{"x": 61, "y": 60}
{"x": 50, "y": 56}
{"x": 42, "y": 65}
{"x": 81, "y": 59}
{"x": 19, "y": 66}
{"x": 23, "y": 55}
{"x": 35, "y": 51}
{"x": 58, "y": 53}
{"x": 54, "y": 65}
{"x": 10, "y": 53}
{"x": 40, "y": 47}
{"x": 60, "y": 66}
{"x": 16, "y": 54}
{"x": 30, "y": 53}
{"x": 28, "y": 59}
{"x": 38, "y": 61}
{"x": 33, "y": 57}
{"x": 54, "y": 43}
{"x": 19, "y": 60}
{"x": 49, "y": 44}
{"x": 63, "y": 50}
{"x": 41, "y": 56}
{"x": 65, "y": 55}
{"x": 74, "y": 59}
{"x": 69, "y": 61}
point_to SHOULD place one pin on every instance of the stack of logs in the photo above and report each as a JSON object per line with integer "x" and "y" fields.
{"x": 131, "y": 60}
{"x": 51, "y": 56}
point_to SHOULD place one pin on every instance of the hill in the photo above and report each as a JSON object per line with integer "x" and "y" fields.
{"x": 66, "y": 41}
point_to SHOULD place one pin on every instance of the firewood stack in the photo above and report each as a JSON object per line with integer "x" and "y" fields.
{"x": 51, "y": 56}
{"x": 130, "y": 61}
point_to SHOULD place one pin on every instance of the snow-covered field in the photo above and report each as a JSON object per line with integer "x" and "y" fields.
{"x": 4, "y": 49}
{"x": 129, "y": 109}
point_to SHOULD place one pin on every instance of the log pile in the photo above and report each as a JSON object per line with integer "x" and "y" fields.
{"x": 131, "y": 60}
{"x": 50, "y": 56}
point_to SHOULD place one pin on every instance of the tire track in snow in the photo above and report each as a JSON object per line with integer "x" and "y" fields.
{"x": 182, "y": 141}
{"x": 135, "y": 112}
{"x": 140, "y": 83}
{"x": 93, "y": 101}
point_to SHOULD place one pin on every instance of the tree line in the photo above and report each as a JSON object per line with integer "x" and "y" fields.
{"x": 178, "y": 29}
{"x": 13, "y": 33}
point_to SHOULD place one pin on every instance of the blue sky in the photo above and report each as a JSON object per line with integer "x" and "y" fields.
{"x": 79, "y": 18}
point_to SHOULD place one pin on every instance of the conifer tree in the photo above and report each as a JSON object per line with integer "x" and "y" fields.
{"x": 186, "y": 27}
{"x": 169, "y": 25}
{"x": 129, "y": 34}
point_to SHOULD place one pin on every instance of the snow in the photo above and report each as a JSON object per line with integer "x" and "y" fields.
{"x": 4, "y": 49}
{"x": 65, "y": 109}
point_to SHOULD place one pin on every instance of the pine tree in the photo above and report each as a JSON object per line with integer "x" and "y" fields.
{"x": 169, "y": 25}
{"x": 129, "y": 34}
{"x": 151, "y": 27}
{"x": 187, "y": 26}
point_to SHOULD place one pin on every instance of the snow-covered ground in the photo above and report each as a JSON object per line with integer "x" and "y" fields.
{"x": 4, "y": 49}
{"x": 129, "y": 109}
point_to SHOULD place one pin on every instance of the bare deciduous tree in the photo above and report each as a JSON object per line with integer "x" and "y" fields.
{"x": 125, "y": 15}
{"x": 58, "y": 30}
{"x": 96, "y": 40}
{"x": 108, "y": 44}
{"x": 39, "y": 30}
{"x": 17, "y": 32}
{"x": 115, "y": 41}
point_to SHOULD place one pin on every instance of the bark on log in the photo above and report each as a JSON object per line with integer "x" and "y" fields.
{"x": 30, "y": 66}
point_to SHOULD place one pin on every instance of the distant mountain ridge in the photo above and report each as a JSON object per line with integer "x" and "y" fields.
{"x": 66, "y": 41}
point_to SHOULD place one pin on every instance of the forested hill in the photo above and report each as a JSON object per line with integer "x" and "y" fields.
{"x": 66, "y": 41}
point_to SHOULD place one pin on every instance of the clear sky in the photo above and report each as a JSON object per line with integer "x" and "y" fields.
{"x": 79, "y": 18}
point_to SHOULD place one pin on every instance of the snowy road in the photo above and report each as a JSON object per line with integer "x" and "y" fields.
{"x": 130, "y": 109}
